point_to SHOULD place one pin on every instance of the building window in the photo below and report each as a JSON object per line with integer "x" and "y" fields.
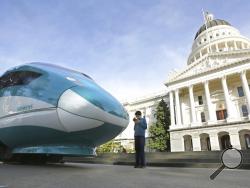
{"x": 240, "y": 91}
{"x": 188, "y": 143}
{"x": 205, "y": 40}
{"x": 211, "y": 37}
{"x": 200, "y": 100}
{"x": 244, "y": 110}
{"x": 217, "y": 34}
{"x": 203, "y": 118}
{"x": 225, "y": 142}
{"x": 208, "y": 144}
{"x": 221, "y": 114}
{"x": 247, "y": 140}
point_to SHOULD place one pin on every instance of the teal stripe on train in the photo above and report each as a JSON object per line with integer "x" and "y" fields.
{"x": 58, "y": 150}
{"x": 33, "y": 136}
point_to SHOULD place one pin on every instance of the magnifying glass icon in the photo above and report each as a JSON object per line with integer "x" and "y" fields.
{"x": 230, "y": 158}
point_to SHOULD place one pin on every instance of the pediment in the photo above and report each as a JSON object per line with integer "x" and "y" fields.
{"x": 204, "y": 66}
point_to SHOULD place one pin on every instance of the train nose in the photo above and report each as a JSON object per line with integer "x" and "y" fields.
{"x": 81, "y": 108}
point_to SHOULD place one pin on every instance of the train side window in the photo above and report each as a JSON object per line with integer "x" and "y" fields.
{"x": 18, "y": 78}
{"x": 27, "y": 76}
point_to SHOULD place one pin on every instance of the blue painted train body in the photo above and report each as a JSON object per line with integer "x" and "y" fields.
{"x": 47, "y": 109}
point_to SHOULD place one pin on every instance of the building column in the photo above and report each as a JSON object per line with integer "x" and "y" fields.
{"x": 226, "y": 46}
{"x": 196, "y": 142}
{"x": 211, "y": 110}
{"x": 235, "y": 45}
{"x": 231, "y": 112}
{"x": 200, "y": 54}
{"x": 217, "y": 48}
{"x": 144, "y": 110}
{"x": 178, "y": 109}
{"x": 192, "y": 105}
{"x": 183, "y": 113}
{"x": 246, "y": 90}
{"x": 241, "y": 45}
{"x": 194, "y": 58}
{"x": 235, "y": 139}
{"x": 176, "y": 141}
{"x": 214, "y": 141}
{"x": 171, "y": 100}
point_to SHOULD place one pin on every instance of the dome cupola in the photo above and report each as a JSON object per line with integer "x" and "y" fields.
{"x": 210, "y": 24}
{"x": 216, "y": 36}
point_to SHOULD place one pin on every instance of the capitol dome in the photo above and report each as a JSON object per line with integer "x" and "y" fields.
{"x": 210, "y": 24}
{"x": 216, "y": 36}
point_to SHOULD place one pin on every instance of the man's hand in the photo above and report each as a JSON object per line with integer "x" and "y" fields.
{"x": 136, "y": 120}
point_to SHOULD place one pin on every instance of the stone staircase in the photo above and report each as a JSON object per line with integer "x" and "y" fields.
{"x": 197, "y": 159}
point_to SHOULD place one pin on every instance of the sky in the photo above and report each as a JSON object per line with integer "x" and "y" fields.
{"x": 128, "y": 47}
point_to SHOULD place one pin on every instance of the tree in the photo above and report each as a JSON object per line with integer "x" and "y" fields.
{"x": 158, "y": 131}
{"x": 109, "y": 147}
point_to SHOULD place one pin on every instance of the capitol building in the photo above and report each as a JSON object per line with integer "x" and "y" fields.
{"x": 210, "y": 99}
{"x": 147, "y": 105}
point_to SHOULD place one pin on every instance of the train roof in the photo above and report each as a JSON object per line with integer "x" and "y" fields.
{"x": 59, "y": 68}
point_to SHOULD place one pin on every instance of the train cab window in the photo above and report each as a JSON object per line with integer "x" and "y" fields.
{"x": 18, "y": 78}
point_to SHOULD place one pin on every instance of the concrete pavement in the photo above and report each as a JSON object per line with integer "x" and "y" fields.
{"x": 75, "y": 175}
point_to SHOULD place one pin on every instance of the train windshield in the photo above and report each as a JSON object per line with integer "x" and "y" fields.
{"x": 61, "y": 69}
{"x": 18, "y": 78}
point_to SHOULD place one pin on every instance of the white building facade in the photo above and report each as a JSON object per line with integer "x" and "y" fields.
{"x": 210, "y": 98}
{"x": 147, "y": 105}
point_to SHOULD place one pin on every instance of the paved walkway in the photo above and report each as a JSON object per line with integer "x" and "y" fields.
{"x": 74, "y": 175}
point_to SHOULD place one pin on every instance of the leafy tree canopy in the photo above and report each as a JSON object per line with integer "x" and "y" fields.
{"x": 158, "y": 131}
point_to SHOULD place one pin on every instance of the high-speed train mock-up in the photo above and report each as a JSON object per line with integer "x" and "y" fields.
{"x": 49, "y": 110}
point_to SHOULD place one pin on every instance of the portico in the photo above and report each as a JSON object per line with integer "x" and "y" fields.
{"x": 192, "y": 103}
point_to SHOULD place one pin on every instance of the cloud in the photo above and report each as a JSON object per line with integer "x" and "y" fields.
{"x": 130, "y": 69}
{"x": 129, "y": 47}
